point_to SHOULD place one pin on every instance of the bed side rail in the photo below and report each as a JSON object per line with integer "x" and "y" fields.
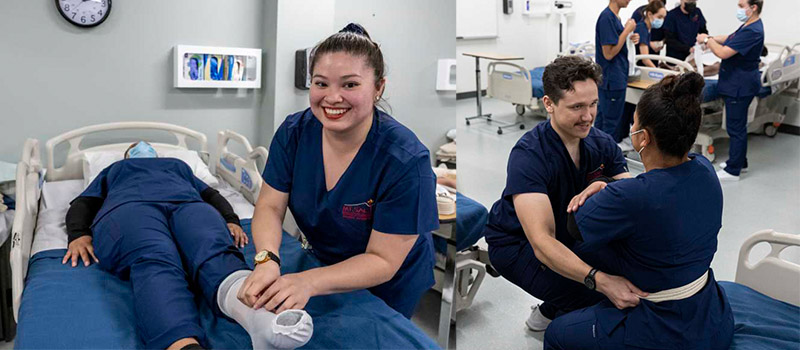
{"x": 659, "y": 73}
{"x": 771, "y": 275}
{"x": 28, "y": 189}
{"x": 241, "y": 172}
{"x": 72, "y": 168}
{"x": 512, "y": 85}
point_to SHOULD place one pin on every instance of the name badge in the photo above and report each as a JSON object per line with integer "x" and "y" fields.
{"x": 359, "y": 211}
{"x": 595, "y": 173}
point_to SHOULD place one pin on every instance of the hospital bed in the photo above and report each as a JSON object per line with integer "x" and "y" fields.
{"x": 57, "y": 306}
{"x": 522, "y": 87}
{"x": 765, "y": 113}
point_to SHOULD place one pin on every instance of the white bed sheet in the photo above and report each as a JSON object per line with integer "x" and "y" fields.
{"x": 51, "y": 230}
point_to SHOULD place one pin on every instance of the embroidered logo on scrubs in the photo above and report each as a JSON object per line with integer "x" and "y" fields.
{"x": 595, "y": 173}
{"x": 360, "y": 211}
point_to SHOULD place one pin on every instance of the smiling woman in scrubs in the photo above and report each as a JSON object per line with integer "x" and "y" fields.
{"x": 739, "y": 79}
{"x": 358, "y": 183}
{"x": 659, "y": 230}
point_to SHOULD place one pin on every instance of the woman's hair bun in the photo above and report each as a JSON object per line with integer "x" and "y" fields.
{"x": 355, "y": 28}
{"x": 687, "y": 85}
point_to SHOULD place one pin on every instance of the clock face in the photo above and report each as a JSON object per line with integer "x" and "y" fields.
{"x": 84, "y": 13}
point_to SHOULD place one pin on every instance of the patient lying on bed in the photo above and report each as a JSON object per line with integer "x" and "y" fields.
{"x": 151, "y": 221}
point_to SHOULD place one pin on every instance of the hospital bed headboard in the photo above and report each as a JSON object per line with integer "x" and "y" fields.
{"x": 28, "y": 177}
{"x": 771, "y": 275}
{"x": 241, "y": 172}
{"x": 72, "y": 167}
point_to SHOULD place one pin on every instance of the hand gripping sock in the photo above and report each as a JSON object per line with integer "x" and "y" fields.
{"x": 288, "y": 330}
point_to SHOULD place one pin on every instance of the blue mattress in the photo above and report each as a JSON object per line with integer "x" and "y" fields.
{"x": 536, "y": 82}
{"x": 85, "y": 307}
{"x": 471, "y": 218}
{"x": 761, "y": 322}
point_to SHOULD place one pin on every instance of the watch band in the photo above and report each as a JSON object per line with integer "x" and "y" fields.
{"x": 274, "y": 258}
{"x": 269, "y": 256}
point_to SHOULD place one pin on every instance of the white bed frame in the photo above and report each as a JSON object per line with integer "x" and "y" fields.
{"x": 30, "y": 177}
{"x": 772, "y": 276}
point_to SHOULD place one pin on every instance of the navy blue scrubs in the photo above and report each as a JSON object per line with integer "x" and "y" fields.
{"x": 680, "y": 31}
{"x": 739, "y": 82}
{"x": 155, "y": 230}
{"x": 658, "y": 230}
{"x": 615, "y": 73}
{"x": 389, "y": 187}
{"x": 540, "y": 163}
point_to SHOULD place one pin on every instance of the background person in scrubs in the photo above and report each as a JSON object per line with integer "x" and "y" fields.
{"x": 654, "y": 14}
{"x": 739, "y": 79}
{"x": 658, "y": 230}
{"x": 359, "y": 185}
{"x": 653, "y": 19}
{"x": 656, "y": 34}
{"x": 527, "y": 228}
{"x": 681, "y": 27}
{"x": 611, "y": 36}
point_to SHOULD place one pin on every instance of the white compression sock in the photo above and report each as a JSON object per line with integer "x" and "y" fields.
{"x": 288, "y": 330}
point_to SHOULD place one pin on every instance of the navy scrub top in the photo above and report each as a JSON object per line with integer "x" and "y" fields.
{"x": 738, "y": 74}
{"x": 389, "y": 187}
{"x": 144, "y": 180}
{"x": 655, "y": 34}
{"x": 540, "y": 163}
{"x": 661, "y": 229}
{"x": 686, "y": 27}
{"x": 615, "y": 71}
{"x": 644, "y": 36}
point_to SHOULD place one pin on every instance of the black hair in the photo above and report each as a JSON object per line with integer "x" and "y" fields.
{"x": 759, "y": 3}
{"x": 563, "y": 72}
{"x": 354, "y": 40}
{"x": 670, "y": 111}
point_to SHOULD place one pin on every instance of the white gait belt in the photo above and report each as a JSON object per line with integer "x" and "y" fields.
{"x": 681, "y": 292}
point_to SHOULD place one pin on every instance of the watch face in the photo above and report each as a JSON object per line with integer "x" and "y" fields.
{"x": 84, "y": 13}
{"x": 589, "y": 282}
{"x": 261, "y": 256}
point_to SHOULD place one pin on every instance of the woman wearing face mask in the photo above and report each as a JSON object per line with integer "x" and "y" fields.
{"x": 653, "y": 18}
{"x": 739, "y": 80}
{"x": 359, "y": 185}
{"x": 658, "y": 230}
{"x": 151, "y": 221}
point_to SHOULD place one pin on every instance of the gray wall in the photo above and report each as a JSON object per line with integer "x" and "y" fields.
{"x": 413, "y": 35}
{"x": 58, "y": 77}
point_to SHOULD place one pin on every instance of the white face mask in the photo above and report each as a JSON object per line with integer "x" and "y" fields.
{"x": 741, "y": 15}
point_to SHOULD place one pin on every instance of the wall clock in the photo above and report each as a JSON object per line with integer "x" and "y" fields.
{"x": 84, "y": 13}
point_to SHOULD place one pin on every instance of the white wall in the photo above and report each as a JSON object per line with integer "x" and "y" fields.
{"x": 294, "y": 25}
{"x": 413, "y": 35}
{"x": 58, "y": 77}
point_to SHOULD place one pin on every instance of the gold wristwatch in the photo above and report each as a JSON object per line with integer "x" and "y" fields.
{"x": 266, "y": 255}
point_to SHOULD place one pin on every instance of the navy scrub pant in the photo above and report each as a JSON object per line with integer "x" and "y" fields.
{"x": 624, "y": 125}
{"x": 166, "y": 250}
{"x": 736, "y": 122}
{"x": 518, "y": 264}
{"x": 610, "y": 107}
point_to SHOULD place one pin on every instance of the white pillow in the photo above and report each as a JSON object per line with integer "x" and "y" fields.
{"x": 95, "y": 162}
